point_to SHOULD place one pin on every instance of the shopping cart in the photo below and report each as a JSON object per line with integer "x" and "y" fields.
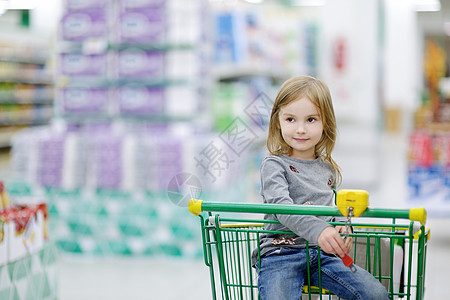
{"x": 389, "y": 243}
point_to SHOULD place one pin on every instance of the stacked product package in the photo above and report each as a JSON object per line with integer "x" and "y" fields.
{"x": 132, "y": 161}
{"x": 132, "y": 58}
{"x": 27, "y": 260}
{"x": 141, "y": 161}
{"x": 123, "y": 192}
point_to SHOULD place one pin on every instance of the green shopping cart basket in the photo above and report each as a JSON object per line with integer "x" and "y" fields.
{"x": 389, "y": 243}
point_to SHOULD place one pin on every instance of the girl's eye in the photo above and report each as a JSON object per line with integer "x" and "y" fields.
{"x": 311, "y": 120}
{"x": 290, "y": 119}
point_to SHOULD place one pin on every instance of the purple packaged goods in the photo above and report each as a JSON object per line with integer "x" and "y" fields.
{"x": 105, "y": 169}
{"x": 51, "y": 156}
{"x": 83, "y": 65}
{"x": 139, "y": 4}
{"x": 109, "y": 181}
{"x": 108, "y": 161}
{"x": 140, "y": 101}
{"x": 93, "y": 100}
{"x": 140, "y": 63}
{"x": 98, "y": 127}
{"x": 81, "y": 25}
{"x": 51, "y": 180}
{"x": 72, "y": 5}
{"x": 51, "y": 159}
{"x": 165, "y": 175}
{"x": 143, "y": 26}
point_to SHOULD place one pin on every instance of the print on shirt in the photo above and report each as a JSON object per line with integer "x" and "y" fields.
{"x": 283, "y": 241}
{"x": 331, "y": 183}
{"x": 294, "y": 169}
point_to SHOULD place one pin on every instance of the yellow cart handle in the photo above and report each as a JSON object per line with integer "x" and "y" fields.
{"x": 195, "y": 206}
{"x": 418, "y": 214}
{"x": 358, "y": 200}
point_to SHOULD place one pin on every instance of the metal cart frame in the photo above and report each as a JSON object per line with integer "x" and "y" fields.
{"x": 393, "y": 251}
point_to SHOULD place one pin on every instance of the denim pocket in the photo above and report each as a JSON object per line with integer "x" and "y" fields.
{"x": 273, "y": 252}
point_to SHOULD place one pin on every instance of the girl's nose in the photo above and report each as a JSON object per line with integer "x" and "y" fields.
{"x": 301, "y": 128}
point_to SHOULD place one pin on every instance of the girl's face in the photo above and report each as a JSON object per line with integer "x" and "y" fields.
{"x": 301, "y": 127}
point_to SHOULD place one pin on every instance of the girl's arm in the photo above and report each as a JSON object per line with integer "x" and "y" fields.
{"x": 331, "y": 241}
{"x": 348, "y": 240}
{"x": 275, "y": 189}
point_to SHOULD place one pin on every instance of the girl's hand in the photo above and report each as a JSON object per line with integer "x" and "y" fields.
{"x": 331, "y": 242}
{"x": 348, "y": 241}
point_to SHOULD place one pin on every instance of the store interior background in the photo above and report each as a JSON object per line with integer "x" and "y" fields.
{"x": 104, "y": 136}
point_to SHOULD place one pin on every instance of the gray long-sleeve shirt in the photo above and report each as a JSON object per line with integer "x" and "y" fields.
{"x": 286, "y": 180}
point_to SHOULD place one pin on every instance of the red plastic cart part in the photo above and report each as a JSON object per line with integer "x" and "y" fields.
{"x": 348, "y": 261}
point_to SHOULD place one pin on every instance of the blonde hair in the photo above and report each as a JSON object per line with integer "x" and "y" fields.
{"x": 318, "y": 93}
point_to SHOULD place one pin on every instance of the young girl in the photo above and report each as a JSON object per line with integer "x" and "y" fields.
{"x": 300, "y": 170}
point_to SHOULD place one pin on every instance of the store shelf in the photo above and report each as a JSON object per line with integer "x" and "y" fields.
{"x": 26, "y": 116}
{"x": 26, "y": 86}
{"x": 24, "y": 51}
{"x": 6, "y": 133}
{"x": 94, "y": 46}
{"x": 439, "y": 127}
{"x": 29, "y": 78}
{"x": 231, "y": 72}
{"x": 6, "y": 99}
{"x": 152, "y": 46}
{"x": 130, "y": 118}
{"x": 93, "y": 82}
{"x": 36, "y": 60}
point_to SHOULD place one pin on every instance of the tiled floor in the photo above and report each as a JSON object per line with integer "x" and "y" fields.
{"x": 150, "y": 279}
{"x": 170, "y": 278}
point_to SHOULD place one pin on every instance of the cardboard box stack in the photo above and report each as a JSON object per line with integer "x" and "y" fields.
{"x": 27, "y": 266}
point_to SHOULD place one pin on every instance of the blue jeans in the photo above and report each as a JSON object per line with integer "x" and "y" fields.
{"x": 283, "y": 273}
